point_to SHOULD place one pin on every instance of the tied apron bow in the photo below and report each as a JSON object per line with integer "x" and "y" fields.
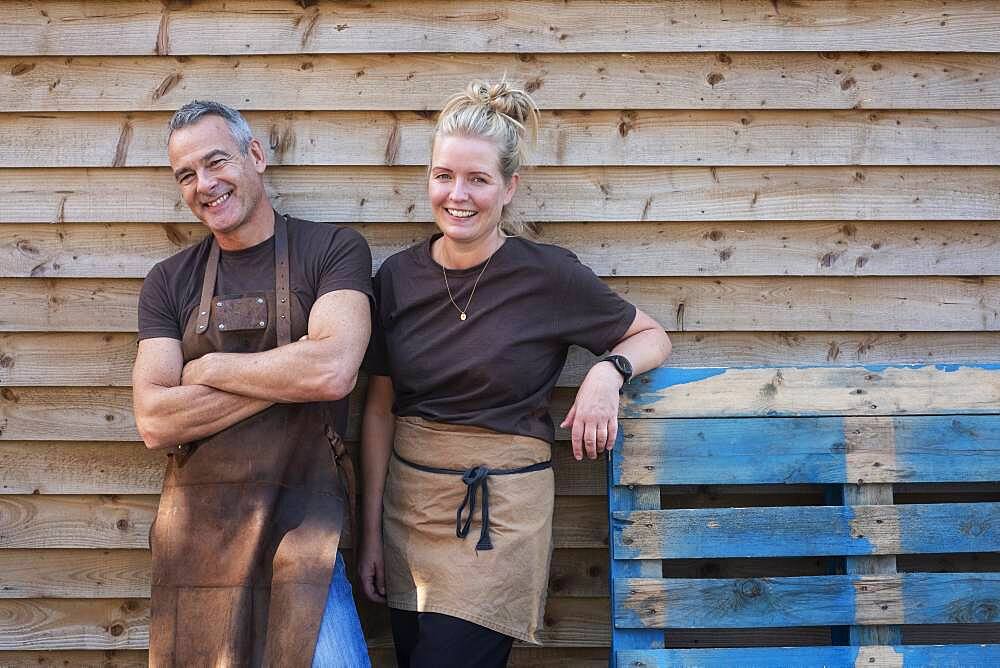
{"x": 475, "y": 478}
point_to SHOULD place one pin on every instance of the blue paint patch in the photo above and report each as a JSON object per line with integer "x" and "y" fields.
{"x": 951, "y": 598}
{"x": 940, "y": 656}
{"x": 948, "y": 448}
{"x": 941, "y": 528}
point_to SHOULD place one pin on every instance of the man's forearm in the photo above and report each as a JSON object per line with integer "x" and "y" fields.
{"x": 299, "y": 372}
{"x": 171, "y": 416}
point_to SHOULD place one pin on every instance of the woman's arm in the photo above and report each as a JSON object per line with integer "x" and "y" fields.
{"x": 593, "y": 417}
{"x": 377, "y": 432}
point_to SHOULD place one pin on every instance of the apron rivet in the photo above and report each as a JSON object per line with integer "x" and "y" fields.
{"x": 222, "y": 325}
{"x": 219, "y": 304}
{"x": 262, "y": 323}
{"x": 204, "y": 312}
{"x": 282, "y": 300}
{"x": 282, "y": 317}
{"x": 259, "y": 300}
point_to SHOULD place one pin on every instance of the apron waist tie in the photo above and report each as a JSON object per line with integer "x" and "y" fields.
{"x": 474, "y": 478}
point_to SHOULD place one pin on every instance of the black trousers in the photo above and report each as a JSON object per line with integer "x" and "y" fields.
{"x": 433, "y": 640}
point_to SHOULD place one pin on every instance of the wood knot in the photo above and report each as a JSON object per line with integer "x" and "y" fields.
{"x": 122, "y": 524}
{"x": 21, "y": 68}
{"x": 715, "y": 78}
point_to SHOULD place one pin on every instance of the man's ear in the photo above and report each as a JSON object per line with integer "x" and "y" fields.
{"x": 258, "y": 155}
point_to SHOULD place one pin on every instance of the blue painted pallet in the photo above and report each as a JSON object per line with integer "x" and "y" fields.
{"x": 902, "y": 656}
{"x": 837, "y": 450}
{"x": 806, "y": 531}
{"x": 818, "y": 600}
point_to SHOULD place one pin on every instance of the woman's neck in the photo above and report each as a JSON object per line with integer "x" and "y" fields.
{"x": 456, "y": 255}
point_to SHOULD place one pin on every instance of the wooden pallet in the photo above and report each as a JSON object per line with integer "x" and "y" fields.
{"x": 856, "y": 431}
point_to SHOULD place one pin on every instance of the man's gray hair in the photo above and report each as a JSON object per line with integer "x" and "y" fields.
{"x": 194, "y": 111}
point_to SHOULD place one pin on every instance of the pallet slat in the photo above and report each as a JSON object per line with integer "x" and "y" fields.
{"x": 901, "y": 656}
{"x": 916, "y": 598}
{"x": 803, "y": 531}
{"x": 735, "y": 451}
{"x": 815, "y": 391}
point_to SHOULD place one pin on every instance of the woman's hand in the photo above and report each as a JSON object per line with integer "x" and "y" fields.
{"x": 371, "y": 569}
{"x": 593, "y": 417}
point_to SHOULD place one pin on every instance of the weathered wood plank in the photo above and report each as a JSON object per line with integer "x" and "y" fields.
{"x": 35, "y": 624}
{"x": 83, "y": 573}
{"x": 393, "y": 82}
{"x": 916, "y": 598}
{"x": 74, "y": 467}
{"x": 683, "y": 451}
{"x": 884, "y": 564}
{"x": 631, "y": 499}
{"x": 569, "y": 138}
{"x": 85, "y": 414}
{"x": 117, "y": 623}
{"x": 33, "y": 467}
{"x": 74, "y": 574}
{"x": 38, "y": 359}
{"x": 871, "y": 390}
{"x": 88, "y": 358}
{"x": 145, "y": 27}
{"x": 685, "y": 303}
{"x": 802, "y": 531}
{"x": 129, "y": 250}
{"x": 122, "y": 522}
{"x": 548, "y": 194}
{"x": 77, "y": 659}
{"x": 898, "y": 656}
{"x": 96, "y": 522}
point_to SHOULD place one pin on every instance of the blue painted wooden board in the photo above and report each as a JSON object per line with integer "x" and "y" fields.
{"x": 622, "y": 499}
{"x": 803, "y": 391}
{"x": 738, "y": 451}
{"x": 823, "y": 600}
{"x": 803, "y": 531}
{"x": 912, "y": 656}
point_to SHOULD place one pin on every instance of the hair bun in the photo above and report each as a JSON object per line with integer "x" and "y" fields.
{"x": 501, "y": 98}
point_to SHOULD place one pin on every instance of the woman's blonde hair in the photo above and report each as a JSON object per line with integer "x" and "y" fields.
{"x": 506, "y": 116}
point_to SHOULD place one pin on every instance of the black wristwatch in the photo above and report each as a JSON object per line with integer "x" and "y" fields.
{"x": 621, "y": 364}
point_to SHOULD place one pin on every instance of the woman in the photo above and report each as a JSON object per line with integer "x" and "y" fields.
{"x": 471, "y": 332}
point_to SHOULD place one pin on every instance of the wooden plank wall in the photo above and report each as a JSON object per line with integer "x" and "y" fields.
{"x": 778, "y": 182}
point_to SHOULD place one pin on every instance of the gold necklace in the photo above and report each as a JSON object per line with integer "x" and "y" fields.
{"x": 462, "y": 311}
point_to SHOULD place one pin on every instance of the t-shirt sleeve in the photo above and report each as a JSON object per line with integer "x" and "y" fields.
{"x": 592, "y": 315}
{"x": 376, "y": 360}
{"x": 158, "y": 308}
{"x": 346, "y": 264}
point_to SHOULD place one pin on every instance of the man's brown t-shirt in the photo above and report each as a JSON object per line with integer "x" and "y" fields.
{"x": 322, "y": 258}
{"x": 497, "y": 368}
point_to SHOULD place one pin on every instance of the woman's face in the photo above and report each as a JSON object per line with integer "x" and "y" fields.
{"x": 466, "y": 190}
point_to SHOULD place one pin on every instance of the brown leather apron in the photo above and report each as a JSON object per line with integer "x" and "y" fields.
{"x": 496, "y": 578}
{"x": 249, "y": 519}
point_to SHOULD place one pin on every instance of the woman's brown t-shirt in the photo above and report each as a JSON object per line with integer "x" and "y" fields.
{"x": 497, "y": 368}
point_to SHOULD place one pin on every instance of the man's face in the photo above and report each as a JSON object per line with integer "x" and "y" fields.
{"x": 221, "y": 186}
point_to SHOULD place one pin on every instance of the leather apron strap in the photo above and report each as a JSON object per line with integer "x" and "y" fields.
{"x": 282, "y": 292}
{"x": 281, "y": 287}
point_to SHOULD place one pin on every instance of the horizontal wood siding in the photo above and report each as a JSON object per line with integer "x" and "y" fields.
{"x": 778, "y": 183}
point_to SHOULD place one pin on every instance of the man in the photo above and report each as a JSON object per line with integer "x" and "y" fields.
{"x": 249, "y": 343}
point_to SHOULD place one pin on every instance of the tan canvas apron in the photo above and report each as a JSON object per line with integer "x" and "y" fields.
{"x": 430, "y": 569}
{"x": 249, "y": 520}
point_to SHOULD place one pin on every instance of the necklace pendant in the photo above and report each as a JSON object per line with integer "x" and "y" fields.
{"x": 461, "y": 316}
